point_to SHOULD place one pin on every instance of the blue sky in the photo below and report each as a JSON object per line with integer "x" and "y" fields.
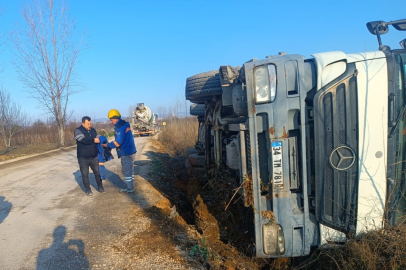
{"x": 143, "y": 51}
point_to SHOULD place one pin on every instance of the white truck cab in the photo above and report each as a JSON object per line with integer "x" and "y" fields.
{"x": 320, "y": 142}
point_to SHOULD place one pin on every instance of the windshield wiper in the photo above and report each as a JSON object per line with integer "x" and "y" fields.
{"x": 400, "y": 116}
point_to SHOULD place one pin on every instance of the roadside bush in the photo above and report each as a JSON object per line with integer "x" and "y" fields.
{"x": 179, "y": 134}
{"x": 46, "y": 133}
{"x": 382, "y": 249}
{"x": 42, "y": 133}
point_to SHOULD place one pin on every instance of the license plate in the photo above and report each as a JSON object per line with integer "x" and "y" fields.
{"x": 277, "y": 163}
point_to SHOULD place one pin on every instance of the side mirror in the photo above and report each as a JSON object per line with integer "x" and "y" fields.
{"x": 378, "y": 26}
{"x": 401, "y": 26}
{"x": 403, "y": 44}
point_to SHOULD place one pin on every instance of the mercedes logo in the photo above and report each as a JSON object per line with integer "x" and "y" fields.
{"x": 342, "y": 158}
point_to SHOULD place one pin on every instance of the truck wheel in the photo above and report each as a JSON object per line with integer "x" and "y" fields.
{"x": 202, "y": 85}
{"x": 197, "y": 109}
{"x": 197, "y": 160}
{"x": 189, "y": 151}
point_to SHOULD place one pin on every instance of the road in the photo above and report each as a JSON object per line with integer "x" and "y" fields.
{"x": 47, "y": 221}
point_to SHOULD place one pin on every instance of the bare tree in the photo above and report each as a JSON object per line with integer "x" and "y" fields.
{"x": 162, "y": 112}
{"x": 1, "y": 43}
{"x": 132, "y": 109}
{"x": 185, "y": 104}
{"x": 178, "y": 106}
{"x": 12, "y": 119}
{"x": 46, "y": 57}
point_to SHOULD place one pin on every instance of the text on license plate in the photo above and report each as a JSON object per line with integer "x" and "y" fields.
{"x": 277, "y": 163}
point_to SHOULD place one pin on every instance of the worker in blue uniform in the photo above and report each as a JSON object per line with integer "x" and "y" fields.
{"x": 125, "y": 146}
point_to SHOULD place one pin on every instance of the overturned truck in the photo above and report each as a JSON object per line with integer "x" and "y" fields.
{"x": 321, "y": 142}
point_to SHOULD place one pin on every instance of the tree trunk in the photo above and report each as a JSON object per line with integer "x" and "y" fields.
{"x": 9, "y": 138}
{"x": 61, "y": 133}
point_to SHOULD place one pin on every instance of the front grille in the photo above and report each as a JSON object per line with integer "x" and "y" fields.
{"x": 336, "y": 145}
{"x": 263, "y": 159}
{"x": 328, "y": 142}
{"x": 248, "y": 151}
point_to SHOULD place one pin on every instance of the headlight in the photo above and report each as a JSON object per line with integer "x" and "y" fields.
{"x": 265, "y": 83}
{"x": 274, "y": 239}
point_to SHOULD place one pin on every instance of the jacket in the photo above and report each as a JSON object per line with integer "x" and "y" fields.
{"x": 86, "y": 148}
{"x": 124, "y": 140}
{"x": 104, "y": 152}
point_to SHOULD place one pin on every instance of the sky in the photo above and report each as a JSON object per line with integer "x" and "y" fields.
{"x": 143, "y": 51}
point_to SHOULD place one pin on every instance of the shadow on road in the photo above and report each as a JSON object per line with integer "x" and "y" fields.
{"x": 115, "y": 179}
{"x": 79, "y": 181}
{"x": 63, "y": 255}
{"x": 5, "y": 208}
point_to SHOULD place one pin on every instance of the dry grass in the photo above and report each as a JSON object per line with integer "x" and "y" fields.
{"x": 179, "y": 134}
{"x": 41, "y": 137}
{"x": 383, "y": 249}
{"x": 42, "y": 134}
{"x": 16, "y": 152}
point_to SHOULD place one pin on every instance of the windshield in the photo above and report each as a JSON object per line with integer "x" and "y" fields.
{"x": 398, "y": 195}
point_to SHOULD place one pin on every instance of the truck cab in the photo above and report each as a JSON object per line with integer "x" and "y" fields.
{"x": 143, "y": 121}
{"x": 320, "y": 142}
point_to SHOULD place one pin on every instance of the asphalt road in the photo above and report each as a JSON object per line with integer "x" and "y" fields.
{"x": 47, "y": 221}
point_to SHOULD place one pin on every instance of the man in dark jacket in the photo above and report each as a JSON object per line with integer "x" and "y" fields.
{"x": 125, "y": 146}
{"x": 87, "y": 140}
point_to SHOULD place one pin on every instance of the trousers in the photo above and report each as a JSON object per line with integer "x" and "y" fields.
{"x": 103, "y": 172}
{"x": 127, "y": 168}
{"x": 84, "y": 164}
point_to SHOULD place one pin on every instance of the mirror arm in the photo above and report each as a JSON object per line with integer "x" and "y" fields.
{"x": 378, "y": 35}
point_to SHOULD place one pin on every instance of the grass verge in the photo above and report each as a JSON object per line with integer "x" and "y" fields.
{"x": 382, "y": 249}
{"x": 179, "y": 135}
{"x": 16, "y": 152}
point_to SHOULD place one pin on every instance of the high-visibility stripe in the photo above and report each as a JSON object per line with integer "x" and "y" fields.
{"x": 80, "y": 137}
{"x": 101, "y": 163}
{"x": 116, "y": 144}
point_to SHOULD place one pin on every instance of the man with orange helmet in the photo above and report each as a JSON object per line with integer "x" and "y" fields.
{"x": 124, "y": 144}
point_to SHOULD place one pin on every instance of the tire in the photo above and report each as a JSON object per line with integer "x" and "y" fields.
{"x": 197, "y": 109}
{"x": 189, "y": 151}
{"x": 197, "y": 160}
{"x": 201, "y": 85}
{"x": 187, "y": 164}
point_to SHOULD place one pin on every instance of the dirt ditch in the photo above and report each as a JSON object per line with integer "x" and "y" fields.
{"x": 209, "y": 202}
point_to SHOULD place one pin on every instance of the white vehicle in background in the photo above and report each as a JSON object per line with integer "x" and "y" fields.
{"x": 144, "y": 121}
{"x": 321, "y": 142}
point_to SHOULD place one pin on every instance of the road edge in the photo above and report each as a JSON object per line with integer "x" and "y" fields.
{"x": 36, "y": 155}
